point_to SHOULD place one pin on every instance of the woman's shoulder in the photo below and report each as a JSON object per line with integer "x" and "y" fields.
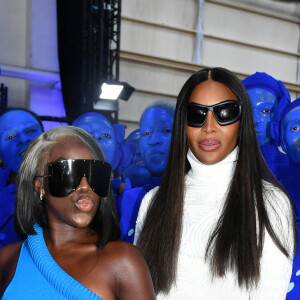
{"x": 9, "y": 253}
{"x": 276, "y": 196}
{"x": 277, "y": 201}
{"x": 149, "y": 195}
{"x": 9, "y": 256}
{"x": 128, "y": 270}
{"x": 114, "y": 261}
{"x": 280, "y": 212}
{"x": 121, "y": 251}
{"x": 125, "y": 261}
{"x": 147, "y": 200}
{"x": 123, "y": 258}
{"x": 143, "y": 210}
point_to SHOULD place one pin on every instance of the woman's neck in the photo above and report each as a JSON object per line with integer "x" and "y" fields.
{"x": 63, "y": 235}
{"x": 220, "y": 172}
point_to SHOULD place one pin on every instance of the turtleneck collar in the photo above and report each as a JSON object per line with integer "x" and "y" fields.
{"x": 215, "y": 174}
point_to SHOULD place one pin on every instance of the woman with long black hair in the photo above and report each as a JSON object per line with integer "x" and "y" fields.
{"x": 220, "y": 226}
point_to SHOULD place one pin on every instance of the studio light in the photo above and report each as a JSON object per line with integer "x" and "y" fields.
{"x": 110, "y": 91}
{"x": 115, "y": 91}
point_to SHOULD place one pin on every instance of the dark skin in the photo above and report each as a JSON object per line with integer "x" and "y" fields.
{"x": 9, "y": 256}
{"x": 118, "y": 271}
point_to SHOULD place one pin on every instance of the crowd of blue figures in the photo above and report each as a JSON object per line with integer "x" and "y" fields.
{"x": 139, "y": 161}
{"x": 277, "y": 125}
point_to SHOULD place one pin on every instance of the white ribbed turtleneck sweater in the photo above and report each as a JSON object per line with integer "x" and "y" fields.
{"x": 205, "y": 192}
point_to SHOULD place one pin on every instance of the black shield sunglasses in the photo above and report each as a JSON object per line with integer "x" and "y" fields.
{"x": 65, "y": 175}
{"x": 225, "y": 113}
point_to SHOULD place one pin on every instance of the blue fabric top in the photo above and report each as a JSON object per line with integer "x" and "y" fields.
{"x": 7, "y": 203}
{"x": 294, "y": 287}
{"x": 38, "y": 276}
{"x": 277, "y": 161}
{"x": 291, "y": 184}
{"x": 129, "y": 207}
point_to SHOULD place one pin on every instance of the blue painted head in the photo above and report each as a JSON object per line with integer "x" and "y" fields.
{"x": 156, "y": 129}
{"x": 269, "y": 98}
{"x": 136, "y": 170}
{"x": 102, "y": 130}
{"x": 290, "y": 131}
{"x": 18, "y": 127}
{"x": 263, "y": 105}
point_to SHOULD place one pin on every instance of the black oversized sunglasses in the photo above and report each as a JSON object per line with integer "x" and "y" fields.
{"x": 65, "y": 175}
{"x": 225, "y": 113}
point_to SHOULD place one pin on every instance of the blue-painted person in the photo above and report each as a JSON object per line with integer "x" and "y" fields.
{"x": 102, "y": 130}
{"x": 269, "y": 98}
{"x": 110, "y": 137}
{"x": 18, "y": 127}
{"x": 136, "y": 171}
{"x": 290, "y": 143}
{"x": 156, "y": 125}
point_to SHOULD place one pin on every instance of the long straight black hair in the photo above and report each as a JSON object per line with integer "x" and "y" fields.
{"x": 237, "y": 240}
{"x": 30, "y": 209}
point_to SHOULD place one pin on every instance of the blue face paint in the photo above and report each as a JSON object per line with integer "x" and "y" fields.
{"x": 17, "y": 129}
{"x": 263, "y": 105}
{"x": 156, "y": 130}
{"x": 291, "y": 135}
{"x": 101, "y": 129}
{"x": 137, "y": 172}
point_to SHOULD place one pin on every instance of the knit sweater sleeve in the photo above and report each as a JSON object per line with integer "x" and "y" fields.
{"x": 276, "y": 268}
{"x": 143, "y": 212}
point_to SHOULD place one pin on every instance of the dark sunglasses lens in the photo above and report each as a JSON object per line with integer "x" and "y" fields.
{"x": 226, "y": 113}
{"x": 62, "y": 178}
{"x": 196, "y": 115}
{"x": 99, "y": 180}
{"x": 66, "y": 175}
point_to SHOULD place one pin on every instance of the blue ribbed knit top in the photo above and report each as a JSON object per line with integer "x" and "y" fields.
{"x": 38, "y": 276}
